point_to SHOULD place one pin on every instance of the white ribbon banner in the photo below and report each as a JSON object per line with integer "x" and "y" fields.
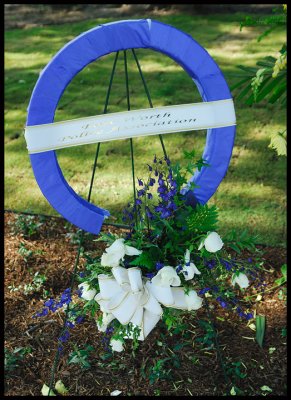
{"x": 129, "y": 124}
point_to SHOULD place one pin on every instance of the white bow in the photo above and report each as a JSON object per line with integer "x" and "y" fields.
{"x": 129, "y": 297}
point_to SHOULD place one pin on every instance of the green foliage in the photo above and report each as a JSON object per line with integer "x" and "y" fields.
{"x": 173, "y": 319}
{"x": 233, "y": 370}
{"x": 159, "y": 371}
{"x": 283, "y": 279}
{"x": 12, "y": 358}
{"x": 240, "y": 241}
{"x": 36, "y": 285}
{"x": 80, "y": 357}
{"x": 147, "y": 259}
{"x": 24, "y": 252}
{"x": 279, "y": 142}
{"x": 260, "y": 329}
{"x": 268, "y": 81}
{"x": 27, "y": 225}
{"x": 258, "y": 84}
{"x": 203, "y": 219}
{"x": 207, "y": 340}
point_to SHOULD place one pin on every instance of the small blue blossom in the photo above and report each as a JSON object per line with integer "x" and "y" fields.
{"x": 65, "y": 337}
{"x": 150, "y": 275}
{"x": 159, "y": 266}
{"x": 79, "y": 319}
{"x": 203, "y": 291}
{"x": 179, "y": 268}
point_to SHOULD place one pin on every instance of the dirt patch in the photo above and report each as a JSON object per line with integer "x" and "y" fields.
{"x": 188, "y": 367}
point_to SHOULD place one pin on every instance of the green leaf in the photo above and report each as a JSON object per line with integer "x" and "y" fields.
{"x": 284, "y": 271}
{"x": 266, "y": 89}
{"x": 260, "y": 329}
{"x": 244, "y": 92}
{"x": 203, "y": 218}
{"x": 146, "y": 259}
{"x": 283, "y": 279}
{"x": 240, "y": 83}
{"x": 278, "y": 143}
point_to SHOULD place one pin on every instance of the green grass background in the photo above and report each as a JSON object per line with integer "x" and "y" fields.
{"x": 253, "y": 193}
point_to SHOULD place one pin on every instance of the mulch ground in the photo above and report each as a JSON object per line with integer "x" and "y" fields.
{"x": 194, "y": 370}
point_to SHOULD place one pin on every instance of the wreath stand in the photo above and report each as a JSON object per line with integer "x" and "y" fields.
{"x": 42, "y": 107}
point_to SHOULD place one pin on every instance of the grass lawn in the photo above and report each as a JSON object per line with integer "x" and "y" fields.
{"x": 253, "y": 193}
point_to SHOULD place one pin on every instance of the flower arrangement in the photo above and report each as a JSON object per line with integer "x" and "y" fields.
{"x": 172, "y": 258}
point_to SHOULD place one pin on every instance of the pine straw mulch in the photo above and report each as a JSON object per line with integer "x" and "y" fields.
{"x": 196, "y": 372}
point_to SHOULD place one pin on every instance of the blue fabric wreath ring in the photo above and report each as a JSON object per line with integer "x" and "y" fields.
{"x": 88, "y": 47}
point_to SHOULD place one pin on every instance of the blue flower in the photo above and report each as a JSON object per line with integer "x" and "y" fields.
{"x": 150, "y": 196}
{"x": 249, "y": 316}
{"x": 79, "y": 319}
{"x": 65, "y": 336}
{"x": 159, "y": 266}
{"x": 150, "y": 275}
{"x": 203, "y": 291}
{"x": 49, "y": 303}
{"x": 152, "y": 182}
{"x": 179, "y": 268}
{"x": 140, "y": 182}
{"x": 140, "y": 192}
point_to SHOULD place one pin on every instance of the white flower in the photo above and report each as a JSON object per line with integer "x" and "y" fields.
{"x": 193, "y": 300}
{"x": 116, "y": 252}
{"x": 116, "y": 345}
{"x": 212, "y": 243}
{"x": 45, "y": 391}
{"x": 106, "y": 319}
{"x": 242, "y": 280}
{"x": 166, "y": 276}
{"x": 189, "y": 270}
{"x": 87, "y": 294}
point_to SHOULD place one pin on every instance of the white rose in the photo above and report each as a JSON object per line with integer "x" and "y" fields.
{"x": 166, "y": 276}
{"x": 242, "y": 280}
{"x": 212, "y": 243}
{"x": 193, "y": 300}
{"x": 189, "y": 270}
{"x": 116, "y": 252}
{"x": 116, "y": 345}
{"x": 106, "y": 319}
{"x": 87, "y": 294}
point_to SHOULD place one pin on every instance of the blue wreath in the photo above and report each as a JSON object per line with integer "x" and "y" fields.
{"x": 94, "y": 44}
